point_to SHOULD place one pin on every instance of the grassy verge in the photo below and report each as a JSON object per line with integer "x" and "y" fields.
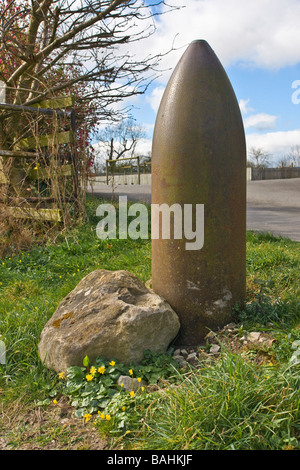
{"x": 235, "y": 402}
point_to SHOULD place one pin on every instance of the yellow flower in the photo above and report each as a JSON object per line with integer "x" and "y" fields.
{"x": 143, "y": 389}
{"x": 122, "y": 385}
{"x": 112, "y": 363}
{"x": 139, "y": 379}
{"x": 130, "y": 371}
{"x": 89, "y": 377}
{"x": 107, "y": 417}
{"x": 93, "y": 370}
{"x": 101, "y": 370}
{"x": 54, "y": 401}
{"x": 123, "y": 408}
{"x": 61, "y": 375}
{"x": 87, "y": 417}
{"x": 101, "y": 415}
{"x": 132, "y": 393}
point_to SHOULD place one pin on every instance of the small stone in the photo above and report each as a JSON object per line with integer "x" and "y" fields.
{"x": 130, "y": 383}
{"x": 191, "y": 356}
{"x": 192, "y": 359}
{"x": 184, "y": 353}
{"x": 253, "y": 336}
{"x": 230, "y": 326}
{"x": 215, "y": 348}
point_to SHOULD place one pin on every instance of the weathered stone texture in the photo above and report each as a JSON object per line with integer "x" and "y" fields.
{"x": 111, "y": 314}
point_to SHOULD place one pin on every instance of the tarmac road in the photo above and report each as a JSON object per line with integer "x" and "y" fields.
{"x": 272, "y": 205}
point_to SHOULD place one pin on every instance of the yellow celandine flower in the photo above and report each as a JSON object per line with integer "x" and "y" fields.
{"x": 101, "y": 370}
{"x": 93, "y": 370}
{"x": 123, "y": 408}
{"x": 139, "y": 379}
{"x": 101, "y": 415}
{"x": 143, "y": 389}
{"x": 89, "y": 377}
{"x": 107, "y": 417}
{"x": 130, "y": 371}
{"x": 87, "y": 417}
{"x": 132, "y": 393}
{"x": 112, "y": 363}
{"x": 61, "y": 375}
{"x": 55, "y": 401}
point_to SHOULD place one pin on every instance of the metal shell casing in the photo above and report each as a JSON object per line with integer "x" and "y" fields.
{"x": 199, "y": 157}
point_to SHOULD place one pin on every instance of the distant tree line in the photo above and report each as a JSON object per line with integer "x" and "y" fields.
{"x": 259, "y": 158}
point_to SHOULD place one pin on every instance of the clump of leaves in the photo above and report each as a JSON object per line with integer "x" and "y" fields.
{"x": 94, "y": 389}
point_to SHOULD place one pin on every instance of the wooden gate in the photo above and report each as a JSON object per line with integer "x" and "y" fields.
{"x": 30, "y": 169}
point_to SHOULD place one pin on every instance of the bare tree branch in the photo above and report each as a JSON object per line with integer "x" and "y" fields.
{"x": 51, "y": 46}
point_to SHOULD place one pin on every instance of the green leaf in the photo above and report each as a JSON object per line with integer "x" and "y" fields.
{"x": 47, "y": 401}
{"x": 80, "y": 412}
{"x": 86, "y": 361}
{"x": 75, "y": 372}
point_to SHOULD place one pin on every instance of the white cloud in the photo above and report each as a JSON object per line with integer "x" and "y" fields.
{"x": 260, "y": 121}
{"x": 245, "y": 109}
{"x": 155, "y": 97}
{"x": 143, "y": 147}
{"x": 261, "y": 33}
{"x": 277, "y": 144}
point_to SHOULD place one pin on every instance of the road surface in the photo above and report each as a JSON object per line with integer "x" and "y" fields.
{"x": 272, "y": 205}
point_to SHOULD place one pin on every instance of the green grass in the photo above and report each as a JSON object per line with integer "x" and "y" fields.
{"x": 33, "y": 283}
{"x": 231, "y": 405}
{"x": 234, "y": 403}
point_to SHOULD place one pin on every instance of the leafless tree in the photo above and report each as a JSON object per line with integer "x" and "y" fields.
{"x": 259, "y": 158}
{"x": 292, "y": 158}
{"x": 121, "y": 139}
{"x": 48, "y": 46}
{"x": 294, "y": 155}
{"x": 284, "y": 161}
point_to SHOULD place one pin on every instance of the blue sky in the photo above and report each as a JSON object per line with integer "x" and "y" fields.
{"x": 258, "y": 43}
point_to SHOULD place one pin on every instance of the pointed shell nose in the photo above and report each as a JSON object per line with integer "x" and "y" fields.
{"x": 199, "y": 157}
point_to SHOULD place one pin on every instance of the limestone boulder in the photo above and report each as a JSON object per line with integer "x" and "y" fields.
{"x": 110, "y": 314}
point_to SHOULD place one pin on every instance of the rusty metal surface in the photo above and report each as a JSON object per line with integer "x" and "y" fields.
{"x": 199, "y": 157}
